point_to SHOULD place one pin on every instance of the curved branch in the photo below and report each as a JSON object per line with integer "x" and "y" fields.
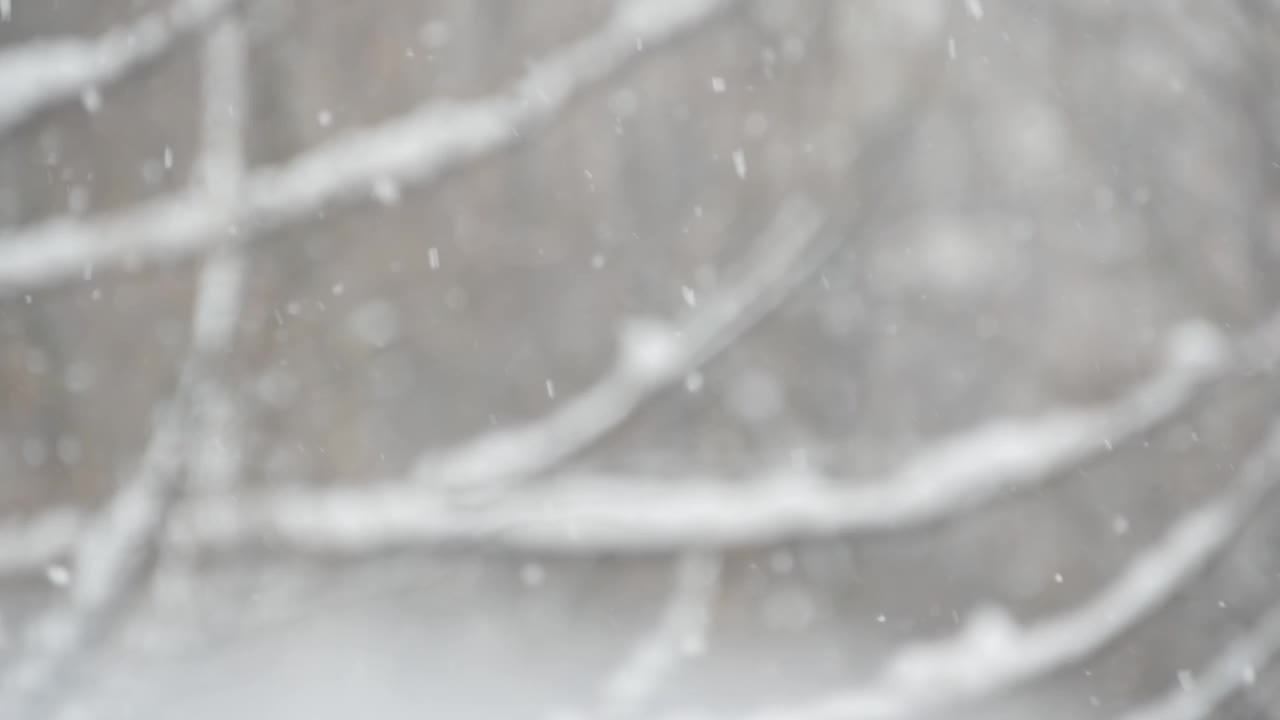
{"x": 417, "y": 147}
{"x": 106, "y": 553}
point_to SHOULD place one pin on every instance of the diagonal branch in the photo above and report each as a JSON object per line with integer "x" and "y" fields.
{"x": 651, "y": 356}
{"x": 110, "y": 548}
{"x": 34, "y": 543}
{"x": 44, "y": 72}
{"x": 1236, "y": 667}
{"x": 680, "y": 631}
{"x": 993, "y": 654}
{"x": 591, "y": 514}
{"x": 217, "y": 305}
{"x": 417, "y": 147}
{"x": 107, "y": 554}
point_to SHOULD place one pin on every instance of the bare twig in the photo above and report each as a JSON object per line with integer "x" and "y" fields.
{"x": 589, "y": 514}
{"x": 993, "y": 653}
{"x": 1236, "y": 667}
{"x": 417, "y": 147}
{"x": 42, "y": 73}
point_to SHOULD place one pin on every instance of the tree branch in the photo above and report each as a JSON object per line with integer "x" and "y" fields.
{"x": 651, "y": 355}
{"x": 992, "y": 653}
{"x": 1236, "y": 667}
{"x": 110, "y": 549}
{"x": 417, "y": 147}
{"x": 680, "y": 631}
{"x": 44, "y": 72}
{"x": 106, "y": 555}
{"x": 593, "y": 513}
{"x": 34, "y": 543}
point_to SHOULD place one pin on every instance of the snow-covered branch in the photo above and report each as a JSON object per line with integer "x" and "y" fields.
{"x": 215, "y": 452}
{"x": 994, "y": 653}
{"x": 106, "y": 554}
{"x": 651, "y": 355}
{"x": 41, "y": 73}
{"x": 680, "y": 631}
{"x": 111, "y": 546}
{"x": 595, "y": 513}
{"x": 1236, "y": 667}
{"x": 417, "y": 147}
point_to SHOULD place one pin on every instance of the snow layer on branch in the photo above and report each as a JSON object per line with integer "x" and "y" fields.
{"x": 680, "y": 631}
{"x": 111, "y": 546}
{"x": 43, "y": 72}
{"x": 419, "y": 146}
{"x": 106, "y": 552}
{"x": 651, "y": 355}
{"x": 597, "y": 513}
{"x": 1236, "y": 667}
{"x": 993, "y": 653}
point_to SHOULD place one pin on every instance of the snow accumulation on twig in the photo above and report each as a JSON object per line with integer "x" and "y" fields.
{"x": 993, "y": 653}
{"x": 651, "y": 355}
{"x": 416, "y": 147}
{"x": 107, "y": 551}
{"x": 41, "y": 73}
{"x": 680, "y": 632}
{"x": 1236, "y": 667}
{"x": 587, "y": 514}
{"x": 109, "y": 548}
{"x": 594, "y": 513}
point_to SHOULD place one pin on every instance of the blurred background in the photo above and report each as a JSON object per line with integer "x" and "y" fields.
{"x": 1024, "y": 202}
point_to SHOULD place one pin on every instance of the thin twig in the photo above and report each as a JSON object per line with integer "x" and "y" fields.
{"x": 680, "y": 632}
{"x": 651, "y": 355}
